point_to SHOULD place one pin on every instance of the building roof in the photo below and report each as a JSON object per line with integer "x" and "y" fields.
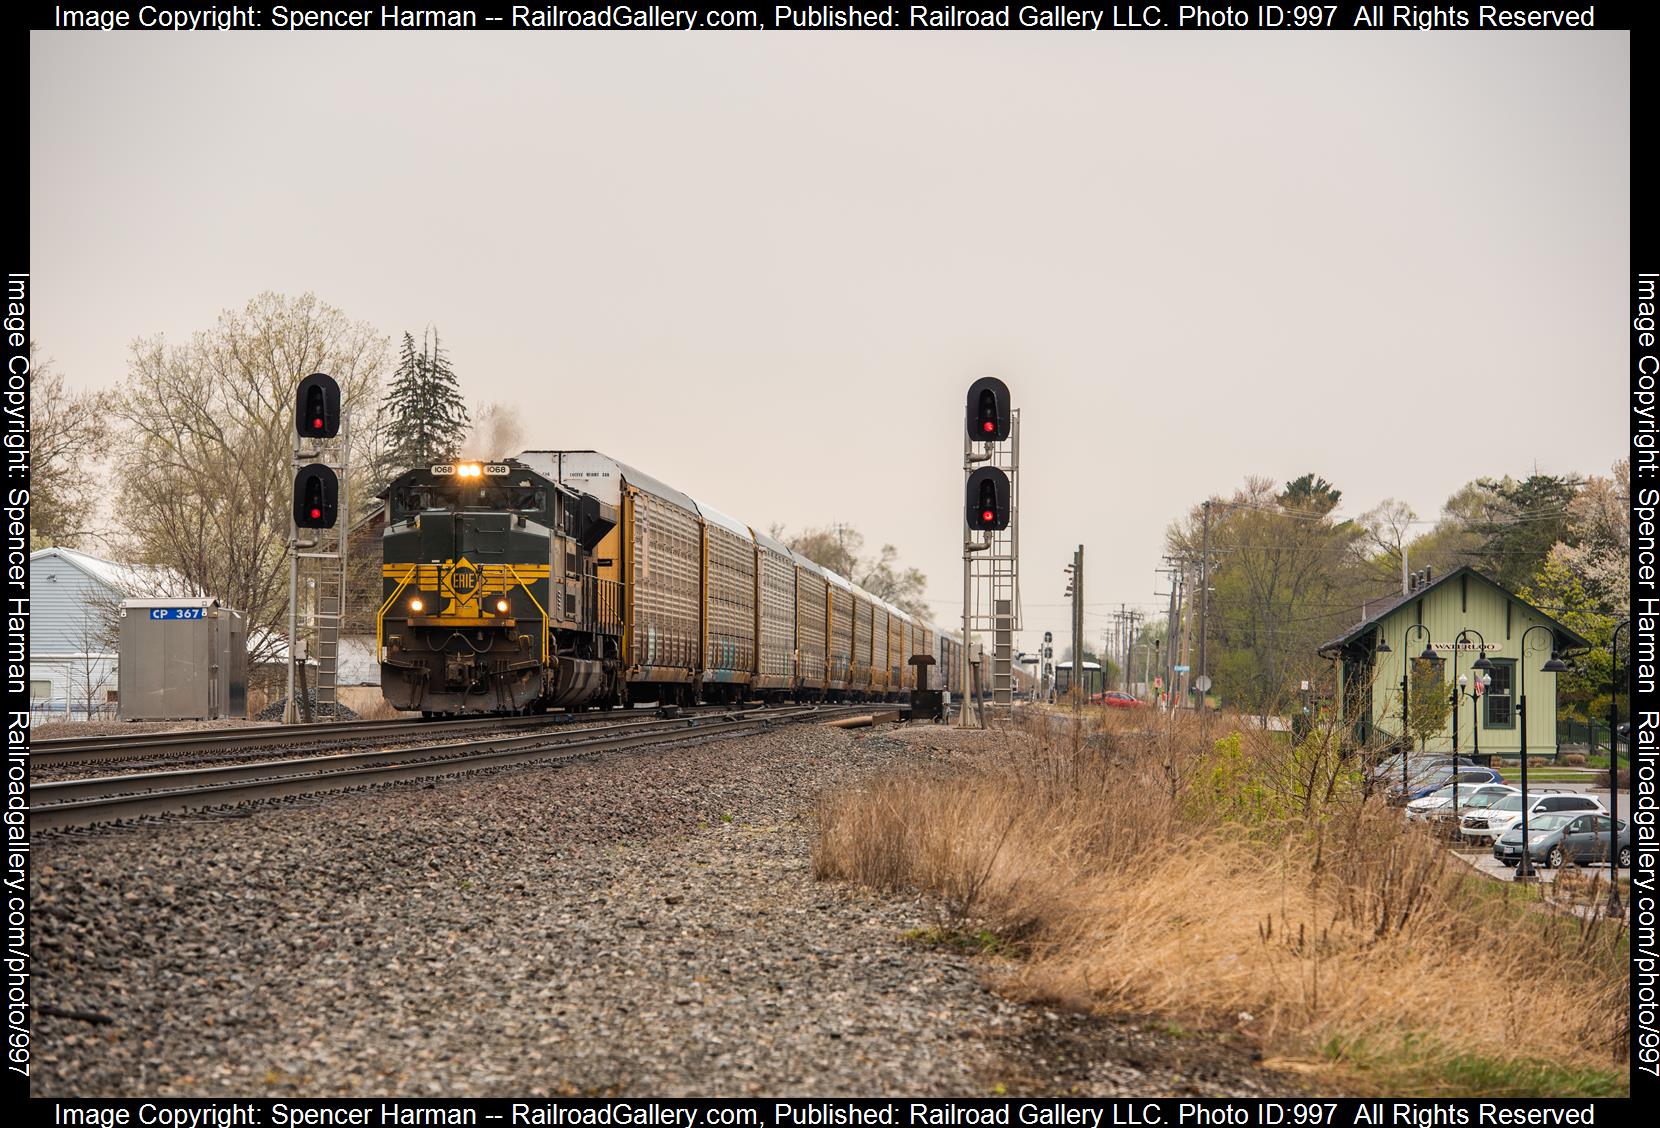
{"x": 1375, "y": 611}
{"x": 134, "y": 580}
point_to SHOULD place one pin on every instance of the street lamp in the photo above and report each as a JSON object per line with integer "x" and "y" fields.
{"x": 1524, "y": 868}
{"x": 1481, "y": 665}
{"x": 1614, "y": 908}
{"x": 1428, "y": 655}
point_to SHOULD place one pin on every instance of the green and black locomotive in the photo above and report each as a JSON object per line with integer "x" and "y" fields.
{"x": 491, "y": 601}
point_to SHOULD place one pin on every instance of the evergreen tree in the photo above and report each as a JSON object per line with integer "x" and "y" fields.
{"x": 424, "y": 415}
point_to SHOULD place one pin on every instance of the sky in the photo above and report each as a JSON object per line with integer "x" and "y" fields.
{"x": 765, "y": 268}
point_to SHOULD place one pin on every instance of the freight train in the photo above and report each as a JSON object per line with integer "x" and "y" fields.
{"x": 569, "y": 579}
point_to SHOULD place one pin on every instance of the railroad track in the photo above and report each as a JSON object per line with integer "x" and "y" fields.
{"x": 86, "y": 802}
{"x": 77, "y": 751}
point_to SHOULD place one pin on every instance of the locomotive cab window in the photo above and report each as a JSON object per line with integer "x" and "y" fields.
{"x": 411, "y": 500}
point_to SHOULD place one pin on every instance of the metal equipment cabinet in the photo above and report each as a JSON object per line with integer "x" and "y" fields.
{"x": 182, "y": 659}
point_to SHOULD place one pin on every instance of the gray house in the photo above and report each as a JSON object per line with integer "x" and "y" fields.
{"x": 75, "y": 598}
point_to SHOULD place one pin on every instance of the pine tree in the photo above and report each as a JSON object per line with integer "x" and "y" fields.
{"x": 425, "y": 416}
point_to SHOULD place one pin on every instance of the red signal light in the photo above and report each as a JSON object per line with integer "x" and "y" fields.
{"x": 988, "y": 426}
{"x": 316, "y": 424}
{"x": 315, "y": 513}
{"x": 988, "y": 516}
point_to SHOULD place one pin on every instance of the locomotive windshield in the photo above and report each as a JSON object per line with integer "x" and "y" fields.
{"x": 408, "y": 501}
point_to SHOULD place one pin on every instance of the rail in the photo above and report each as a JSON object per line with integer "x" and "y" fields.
{"x": 105, "y": 799}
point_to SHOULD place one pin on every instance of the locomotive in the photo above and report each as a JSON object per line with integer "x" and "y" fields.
{"x": 570, "y": 579}
{"x": 491, "y": 602}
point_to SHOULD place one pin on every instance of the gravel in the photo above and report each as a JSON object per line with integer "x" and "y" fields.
{"x": 641, "y": 923}
{"x": 58, "y": 730}
{"x": 338, "y": 712}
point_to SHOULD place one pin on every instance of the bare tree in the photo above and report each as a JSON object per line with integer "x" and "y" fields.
{"x": 1388, "y": 530}
{"x": 68, "y": 439}
{"x": 92, "y": 675}
{"x": 837, "y": 548}
{"x": 205, "y": 461}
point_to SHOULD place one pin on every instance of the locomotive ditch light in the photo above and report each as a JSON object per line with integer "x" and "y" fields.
{"x": 988, "y": 499}
{"x": 501, "y": 605}
{"x": 316, "y": 497}
{"x": 988, "y": 410}
{"x": 317, "y": 407}
{"x": 415, "y": 605}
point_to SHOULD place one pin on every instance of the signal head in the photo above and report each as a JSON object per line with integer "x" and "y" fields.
{"x": 988, "y": 499}
{"x": 988, "y": 410}
{"x": 317, "y": 407}
{"x": 316, "y": 497}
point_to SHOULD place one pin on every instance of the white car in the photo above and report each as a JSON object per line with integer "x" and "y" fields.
{"x": 1471, "y": 797}
{"x": 1507, "y": 812}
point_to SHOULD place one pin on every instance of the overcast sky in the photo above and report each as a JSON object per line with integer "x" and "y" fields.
{"x": 766, "y": 267}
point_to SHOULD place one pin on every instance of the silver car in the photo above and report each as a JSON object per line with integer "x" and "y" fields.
{"x": 1507, "y": 812}
{"x": 1559, "y": 837}
{"x": 1438, "y": 805}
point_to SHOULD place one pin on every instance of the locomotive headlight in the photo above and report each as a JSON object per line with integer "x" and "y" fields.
{"x": 416, "y": 605}
{"x": 501, "y": 605}
{"x": 468, "y": 470}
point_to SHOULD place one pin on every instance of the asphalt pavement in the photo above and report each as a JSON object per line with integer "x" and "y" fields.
{"x": 1482, "y": 857}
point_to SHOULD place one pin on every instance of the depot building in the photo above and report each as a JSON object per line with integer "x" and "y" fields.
{"x": 1411, "y": 650}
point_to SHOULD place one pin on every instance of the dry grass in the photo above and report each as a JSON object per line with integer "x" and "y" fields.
{"x": 376, "y": 709}
{"x": 1245, "y": 883}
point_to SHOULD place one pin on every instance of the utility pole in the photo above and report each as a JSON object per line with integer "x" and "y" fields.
{"x": 1121, "y": 626}
{"x": 1204, "y": 610}
{"x": 1172, "y": 655}
{"x": 1167, "y": 668}
{"x": 1078, "y": 628}
{"x": 1129, "y": 652}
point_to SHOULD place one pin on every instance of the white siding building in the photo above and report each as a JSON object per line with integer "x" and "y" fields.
{"x": 74, "y": 600}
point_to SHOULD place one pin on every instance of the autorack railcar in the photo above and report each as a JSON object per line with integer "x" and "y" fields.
{"x": 568, "y": 578}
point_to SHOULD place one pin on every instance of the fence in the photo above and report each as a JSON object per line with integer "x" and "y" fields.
{"x": 1577, "y": 732}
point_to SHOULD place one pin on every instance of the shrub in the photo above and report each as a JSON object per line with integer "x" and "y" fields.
{"x": 1205, "y": 878}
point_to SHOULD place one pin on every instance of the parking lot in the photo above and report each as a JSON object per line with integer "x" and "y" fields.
{"x": 1481, "y": 856}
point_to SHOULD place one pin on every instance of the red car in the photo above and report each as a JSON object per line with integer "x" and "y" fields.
{"x": 1112, "y": 699}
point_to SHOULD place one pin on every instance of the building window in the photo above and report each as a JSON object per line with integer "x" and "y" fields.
{"x": 1501, "y": 712}
{"x": 40, "y": 691}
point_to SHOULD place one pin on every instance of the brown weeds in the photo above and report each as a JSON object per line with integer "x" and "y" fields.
{"x": 1228, "y": 876}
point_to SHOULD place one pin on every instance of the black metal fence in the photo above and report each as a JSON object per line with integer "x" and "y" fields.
{"x": 1578, "y": 732}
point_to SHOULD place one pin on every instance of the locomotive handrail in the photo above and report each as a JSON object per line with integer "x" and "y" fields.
{"x": 380, "y": 616}
{"x": 547, "y": 625}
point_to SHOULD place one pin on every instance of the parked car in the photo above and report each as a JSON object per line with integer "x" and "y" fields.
{"x": 1438, "y": 805}
{"x": 1558, "y": 837}
{"x": 1433, "y": 781}
{"x": 1113, "y": 699}
{"x": 1507, "y": 812}
{"x": 1389, "y": 768}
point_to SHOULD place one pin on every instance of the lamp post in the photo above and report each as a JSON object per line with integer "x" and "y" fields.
{"x": 1614, "y": 908}
{"x": 1428, "y": 655}
{"x": 1524, "y": 868}
{"x": 1481, "y": 665}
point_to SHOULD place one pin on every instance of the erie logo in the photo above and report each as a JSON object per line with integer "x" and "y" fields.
{"x": 463, "y": 579}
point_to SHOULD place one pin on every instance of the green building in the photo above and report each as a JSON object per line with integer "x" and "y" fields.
{"x": 1440, "y": 627}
